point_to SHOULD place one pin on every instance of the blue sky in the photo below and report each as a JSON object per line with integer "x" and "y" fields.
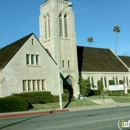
{"x": 95, "y": 18}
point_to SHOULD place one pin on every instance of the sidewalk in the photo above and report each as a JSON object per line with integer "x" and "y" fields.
{"x": 50, "y": 111}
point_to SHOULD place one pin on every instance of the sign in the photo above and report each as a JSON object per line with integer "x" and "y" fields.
{"x": 123, "y": 124}
{"x": 115, "y": 87}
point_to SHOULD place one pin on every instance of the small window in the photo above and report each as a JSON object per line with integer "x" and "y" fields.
{"x": 43, "y": 84}
{"x": 27, "y": 59}
{"x": 63, "y": 63}
{"x": 66, "y": 25}
{"x": 45, "y": 26}
{"x": 38, "y": 85}
{"x": 24, "y": 85}
{"x": 32, "y": 59}
{"x": 60, "y": 26}
{"x": 34, "y": 85}
{"x": 49, "y": 35}
{"x": 68, "y": 64}
{"x": 37, "y": 59}
{"x": 32, "y": 41}
{"x": 29, "y": 85}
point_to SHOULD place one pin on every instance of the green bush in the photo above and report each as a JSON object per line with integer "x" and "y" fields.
{"x": 55, "y": 98}
{"x": 13, "y": 104}
{"x": 121, "y": 82}
{"x": 115, "y": 93}
{"x": 111, "y": 82}
{"x": 100, "y": 85}
{"x": 36, "y": 97}
{"x": 129, "y": 91}
{"x": 97, "y": 92}
{"x": 65, "y": 98}
{"x": 66, "y": 91}
{"x": 85, "y": 86}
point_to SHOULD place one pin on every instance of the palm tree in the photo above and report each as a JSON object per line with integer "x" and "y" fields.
{"x": 90, "y": 40}
{"x": 117, "y": 30}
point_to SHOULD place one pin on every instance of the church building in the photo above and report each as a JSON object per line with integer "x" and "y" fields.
{"x": 32, "y": 64}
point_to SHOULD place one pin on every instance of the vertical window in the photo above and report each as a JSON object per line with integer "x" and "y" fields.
{"x": 24, "y": 85}
{"x": 29, "y": 85}
{"x": 63, "y": 63}
{"x": 49, "y": 35}
{"x": 43, "y": 84}
{"x": 65, "y": 25}
{"x": 68, "y": 64}
{"x": 60, "y": 26}
{"x": 32, "y": 41}
{"x": 45, "y": 26}
{"x": 27, "y": 59}
{"x": 32, "y": 59}
{"x": 38, "y": 85}
{"x": 34, "y": 85}
{"x": 37, "y": 59}
{"x": 105, "y": 80}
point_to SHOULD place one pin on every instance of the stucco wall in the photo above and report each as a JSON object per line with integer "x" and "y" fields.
{"x": 17, "y": 70}
{"x": 105, "y": 77}
{"x": 1, "y": 81}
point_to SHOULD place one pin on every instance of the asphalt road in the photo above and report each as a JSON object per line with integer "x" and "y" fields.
{"x": 98, "y": 119}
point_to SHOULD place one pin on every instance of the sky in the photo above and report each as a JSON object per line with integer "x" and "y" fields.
{"x": 93, "y": 18}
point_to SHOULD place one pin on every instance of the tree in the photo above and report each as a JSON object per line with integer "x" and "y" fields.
{"x": 85, "y": 86}
{"x": 90, "y": 40}
{"x": 117, "y": 30}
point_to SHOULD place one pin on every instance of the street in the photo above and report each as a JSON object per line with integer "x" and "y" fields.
{"x": 98, "y": 119}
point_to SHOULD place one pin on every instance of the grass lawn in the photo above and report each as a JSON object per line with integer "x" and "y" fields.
{"x": 76, "y": 103}
{"x": 120, "y": 99}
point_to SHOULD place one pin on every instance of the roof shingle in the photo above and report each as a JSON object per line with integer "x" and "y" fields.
{"x": 9, "y": 51}
{"x": 98, "y": 60}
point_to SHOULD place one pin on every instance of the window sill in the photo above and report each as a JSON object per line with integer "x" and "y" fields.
{"x": 33, "y": 65}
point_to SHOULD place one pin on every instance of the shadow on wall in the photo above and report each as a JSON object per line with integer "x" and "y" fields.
{"x": 67, "y": 85}
{"x": 80, "y": 51}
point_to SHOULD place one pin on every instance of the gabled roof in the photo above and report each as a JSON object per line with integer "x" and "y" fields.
{"x": 10, "y": 50}
{"x": 126, "y": 60}
{"x": 98, "y": 60}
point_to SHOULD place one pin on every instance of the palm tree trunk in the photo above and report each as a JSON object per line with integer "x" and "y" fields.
{"x": 116, "y": 43}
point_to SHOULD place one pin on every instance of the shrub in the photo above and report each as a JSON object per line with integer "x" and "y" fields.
{"x": 111, "y": 82}
{"x": 97, "y": 92}
{"x": 36, "y": 97}
{"x": 66, "y": 91}
{"x": 85, "y": 86}
{"x": 55, "y": 98}
{"x": 121, "y": 82}
{"x": 13, "y": 104}
{"x": 128, "y": 91}
{"x": 115, "y": 93}
{"x": 65, "y": 98}
{"x": 100, "y": 85}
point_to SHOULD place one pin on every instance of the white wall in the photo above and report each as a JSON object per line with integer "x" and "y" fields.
{"x": 17, "y": 70}
{"x": 105, "y": 77}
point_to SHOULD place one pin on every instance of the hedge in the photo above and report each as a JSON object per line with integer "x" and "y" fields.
{"x": 97, "y": 92}
{"x": 116, "y": 93}
{"x": 65, "y": 98}
{"x": 36, "y": 97}
{"x": 13, "y": 104}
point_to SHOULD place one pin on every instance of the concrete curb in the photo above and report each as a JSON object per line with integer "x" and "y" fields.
{"x": 30, "y": 113}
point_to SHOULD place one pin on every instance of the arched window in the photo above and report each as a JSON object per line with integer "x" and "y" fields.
{"x": 60, "y": 26}
{"x": 45, "y": 26}
{"x": 49, "y": 33}
{"x": 65, "y": 25}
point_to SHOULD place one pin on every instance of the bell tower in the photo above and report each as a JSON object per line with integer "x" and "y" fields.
{"x": 57, "y": 33}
